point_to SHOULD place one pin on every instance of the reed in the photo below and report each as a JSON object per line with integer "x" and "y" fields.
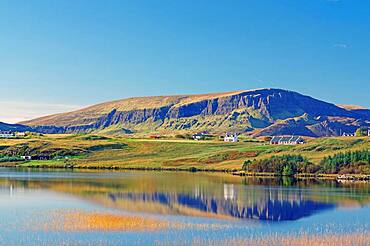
{"x": 302, "y": 240}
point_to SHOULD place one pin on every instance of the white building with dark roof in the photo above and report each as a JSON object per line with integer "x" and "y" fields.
{"x": 200, "y": 135}
{"x": 231, "y": 137}
{"x": 287, "y": 140}
{"x": 6, "y": 134}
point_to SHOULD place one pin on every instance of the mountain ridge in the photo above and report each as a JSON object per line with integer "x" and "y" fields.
{"x": 14, "y": 127}
{"x": 243, "y": 111}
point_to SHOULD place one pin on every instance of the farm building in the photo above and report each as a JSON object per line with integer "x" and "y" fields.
{"x": 287, "y": 140}
{"x": 200, "y": 135}
{"x": 231, "y": 137}
{"x": 41, "y": 157}
{"x": 6, "y": 134}
{"x": 20, "y": 134}
{"x": 36, "y": 157}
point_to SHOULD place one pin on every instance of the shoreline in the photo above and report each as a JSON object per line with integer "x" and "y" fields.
{"x": 234, "y": 172}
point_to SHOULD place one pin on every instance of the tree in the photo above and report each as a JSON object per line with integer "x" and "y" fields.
{"x": 346, "y": 162}
{"x": 288, "y": 171}
{"x": 267, "y": 138}
{"x": 246, "y": 165}
{"x": 360, "y": 132}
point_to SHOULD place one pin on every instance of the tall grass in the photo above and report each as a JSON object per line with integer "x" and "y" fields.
{"x": 355, "y": 239}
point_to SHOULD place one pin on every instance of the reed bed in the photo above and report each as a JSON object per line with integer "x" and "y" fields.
{"x": 353, "y": 239}
{"x": 82, "y": 221}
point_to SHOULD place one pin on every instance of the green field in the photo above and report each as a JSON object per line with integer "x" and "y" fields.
{"x": 89, "y": 151}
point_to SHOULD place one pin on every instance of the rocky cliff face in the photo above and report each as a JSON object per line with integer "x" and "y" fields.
{"x": 263, "y": 111}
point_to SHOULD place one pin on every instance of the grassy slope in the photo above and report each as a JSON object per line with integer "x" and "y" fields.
{"x": 181, "y": 154}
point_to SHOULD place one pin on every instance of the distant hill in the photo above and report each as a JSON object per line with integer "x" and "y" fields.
{"x": 258, "y": 112}
{"x": 350, "y": 107}
{"x": 14, "y": 127}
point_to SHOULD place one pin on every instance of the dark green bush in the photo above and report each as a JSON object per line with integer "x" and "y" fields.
{"x": 285, "y": 165}
{"x": 5, "y": 158}
{"x": 347, "y": 162}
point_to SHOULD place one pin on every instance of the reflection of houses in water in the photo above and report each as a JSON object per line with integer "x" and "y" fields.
{"x": 276, "y": 206}
{"x": 7, "y": 189}
{"x": 229, "y": 192}
{"x": 197, "y": 192}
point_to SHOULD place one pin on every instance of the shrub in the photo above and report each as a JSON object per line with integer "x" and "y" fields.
{"x": 348, "y": 162}
{"x": 288, "y": 170}
{"x": 267, "y": 138}
{"x": 4, "y": 158}
{"x": 361, "y": 132}
{"x": 285, "y": 165}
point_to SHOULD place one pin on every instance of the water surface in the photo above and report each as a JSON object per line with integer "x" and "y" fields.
{"x": 42, "y": 207}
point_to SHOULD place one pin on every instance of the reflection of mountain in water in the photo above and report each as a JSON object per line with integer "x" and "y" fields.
{"x": 195, "y": 195}
{"x": 268, "y": 209}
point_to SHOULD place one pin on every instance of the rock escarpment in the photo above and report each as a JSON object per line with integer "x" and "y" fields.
{"x": 262, "y": 112}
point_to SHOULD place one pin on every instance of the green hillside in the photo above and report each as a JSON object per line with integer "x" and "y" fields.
{"x": 90, "y": 151}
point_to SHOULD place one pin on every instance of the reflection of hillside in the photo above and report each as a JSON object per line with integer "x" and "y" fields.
{"x": 276, "y": 210}
{"x": 198, "y": 194}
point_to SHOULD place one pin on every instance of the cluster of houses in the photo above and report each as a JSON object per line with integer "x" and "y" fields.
{"x": 10, "y": 134}
{"x": 233, "y": 137}
{"x": 275, "y": 140}
{"x": 35, "y": 157}
{"x": 227, "y": 137}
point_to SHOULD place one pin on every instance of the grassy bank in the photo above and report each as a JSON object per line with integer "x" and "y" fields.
{"x": 86, "y": 151}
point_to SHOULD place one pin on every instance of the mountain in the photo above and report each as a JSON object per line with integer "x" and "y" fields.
{"x": 14, "y": 127}
{"x": 259, "y": 112}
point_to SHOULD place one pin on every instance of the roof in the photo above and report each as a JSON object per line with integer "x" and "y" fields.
{"x": 295, "y": 138}
{"x": 285, "y": 139}
{"x": 276, "y": 139}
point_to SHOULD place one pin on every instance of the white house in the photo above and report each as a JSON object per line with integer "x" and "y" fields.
{"x": 231, "y": 137}
{"x": 20, "y": 134}
{"x": 200, "y": 135}
{"x": 6, "y": 134}
{"x": 26, "y": 157}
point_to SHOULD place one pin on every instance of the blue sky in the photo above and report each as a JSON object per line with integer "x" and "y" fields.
{"x": 59, "y": 55}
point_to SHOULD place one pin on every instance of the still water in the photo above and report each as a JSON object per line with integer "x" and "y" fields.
{"x": 49, "y": 207}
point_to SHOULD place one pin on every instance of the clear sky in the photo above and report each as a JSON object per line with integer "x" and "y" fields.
{"x": 58, "y": 55}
